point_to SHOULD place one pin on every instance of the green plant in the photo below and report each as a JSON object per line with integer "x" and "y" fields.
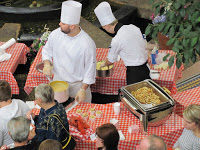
{"x": 181, "y": 24}
{"x": 35, "y": 46}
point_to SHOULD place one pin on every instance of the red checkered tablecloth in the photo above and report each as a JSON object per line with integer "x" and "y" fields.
{"x": 109, "y": 85}
{"x": 7, "y": 68}
{"x": 185, "y": 98}
{"x": 169, "y": 131}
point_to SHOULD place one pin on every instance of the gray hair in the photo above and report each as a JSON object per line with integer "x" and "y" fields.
{"x": 156, "y": 143}
{"x": 19, "y": 129}
{"x": 45, "y": 93}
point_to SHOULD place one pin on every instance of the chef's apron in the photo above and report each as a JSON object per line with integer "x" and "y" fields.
{"x": 75, "y": 87}
{"x": 136, "y": 74}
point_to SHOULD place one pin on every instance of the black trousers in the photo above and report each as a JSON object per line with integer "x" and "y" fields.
{"x": 136, "y": 74}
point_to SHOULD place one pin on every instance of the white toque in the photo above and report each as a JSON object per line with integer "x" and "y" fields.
{"x": 104, "y": 13}
{"x": 70, "y": 12}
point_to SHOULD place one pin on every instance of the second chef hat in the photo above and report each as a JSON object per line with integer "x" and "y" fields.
{"x": 104, "y": 13}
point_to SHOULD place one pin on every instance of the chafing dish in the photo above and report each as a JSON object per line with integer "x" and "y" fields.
{"x": 149, "y": 116}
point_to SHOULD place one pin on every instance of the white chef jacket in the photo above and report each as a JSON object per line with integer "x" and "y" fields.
{"x": 129, "y": 44}
{"x": 74, "y": 58}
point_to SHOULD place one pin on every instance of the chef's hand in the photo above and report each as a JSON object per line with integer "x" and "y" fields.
{"x": 47, "y": 70}
{"x": 80, "y": 96}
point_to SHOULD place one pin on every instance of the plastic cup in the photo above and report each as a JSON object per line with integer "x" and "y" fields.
{"x": 115, "y": 122}
{"x": 116, "y": 107}
{"x": 85, "y": 116}
{"x": 92, "y": 111}
{"x": 79, "y": 111}
{"x": 92, "y": 118}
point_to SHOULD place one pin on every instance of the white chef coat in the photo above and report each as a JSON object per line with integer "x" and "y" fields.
{"x": 74, "y": 58}
{"x": 129, "y": 44}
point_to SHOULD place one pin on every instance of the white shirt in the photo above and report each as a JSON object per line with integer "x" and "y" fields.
{"x": 15, "y": 109}
{"x": 130, "y": 45}
{"x": 188, "y": 141}
{"x": 74, "y": 58}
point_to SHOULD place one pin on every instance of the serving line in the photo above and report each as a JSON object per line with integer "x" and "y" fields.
{"x": 7, "y": 68}
{"x": 108, "y": 85}
{"x": 169, "y": 131}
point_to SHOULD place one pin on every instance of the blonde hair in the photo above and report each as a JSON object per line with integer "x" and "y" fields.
{"x": 191, "y": 113}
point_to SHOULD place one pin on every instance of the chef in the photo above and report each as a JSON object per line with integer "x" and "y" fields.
{"x": 73, "y": 53}
{"x": 128, "y": 43}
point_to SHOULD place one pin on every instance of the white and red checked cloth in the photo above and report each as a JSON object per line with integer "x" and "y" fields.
{"x": 7, "y": 68}
{"x": 109, "y": 85}
{"x": 169, "y": 131}
{"x": 185, "y": 98}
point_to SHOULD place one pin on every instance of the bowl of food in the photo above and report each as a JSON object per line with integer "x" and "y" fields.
{"x": 106, "y": 71}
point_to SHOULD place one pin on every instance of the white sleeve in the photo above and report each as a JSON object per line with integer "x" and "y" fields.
{"x": 90, "y": 65}
{"x": 1, "y": 135}
{"x": 114, "y": 50}
{"x": 47, "y": 50}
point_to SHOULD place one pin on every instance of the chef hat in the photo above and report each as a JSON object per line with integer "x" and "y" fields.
{"x": 104, "y": 13}
{"x": 70, "y": 12}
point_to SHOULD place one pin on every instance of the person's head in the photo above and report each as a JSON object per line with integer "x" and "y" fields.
{"x": 105, "y": 16}
{"x": 5, "y": 91}
{"x": 107, "y": 136}
{"x": 44, "y": 94}
{"x": 70, "y": 16}
{"x": 50, "y": 144}
{"x": 191, "y": 117}
{"x": 152, "y": 142}
{"x": 18, "y": 129}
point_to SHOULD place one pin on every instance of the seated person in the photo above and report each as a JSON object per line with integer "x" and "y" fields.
{"x": 8, "y": 109}
{"x": 190, "y": 138}
{"x": 107, "y": 137}
{"x": 52, "y": 121}
{"x": 50, "y": 144}
{"x": 19, "y": 130}
{"x": 152, "y": 142}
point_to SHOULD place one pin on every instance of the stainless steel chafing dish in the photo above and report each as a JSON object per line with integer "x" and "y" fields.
{"x": 149, "y": 116}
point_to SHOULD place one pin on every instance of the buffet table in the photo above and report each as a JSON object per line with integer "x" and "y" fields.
{"x": 109, "y": 85}
{"x": 169, "y": 131}
{"x": 185, "y": 98}
{"x": 7, "y": 68}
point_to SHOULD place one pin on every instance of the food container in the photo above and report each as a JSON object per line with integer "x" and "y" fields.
{"x": 85, "y": 116}
{"x": 79, "y": 111}
{"x": 104, "y": 73}
{"x": 149, "y": 115}
{"x": 92, "y": 118}
{"x": 61, "y": 91}
{"x": 98, "y": 114}
{"x": 92, "y": 111}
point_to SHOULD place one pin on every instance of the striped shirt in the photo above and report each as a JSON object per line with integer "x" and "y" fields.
{"x": 188, "y": 141}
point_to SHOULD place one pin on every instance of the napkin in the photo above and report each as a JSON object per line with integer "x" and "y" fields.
{"x": 8, "y": 44}
{"x": 5, "y": 57}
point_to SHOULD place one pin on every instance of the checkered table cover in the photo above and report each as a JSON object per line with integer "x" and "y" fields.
{"x": 169, "y": 131}
{"x": 108, "y": 85}
{"x": 184, "y": 99}
{"x": 7, "y": 68}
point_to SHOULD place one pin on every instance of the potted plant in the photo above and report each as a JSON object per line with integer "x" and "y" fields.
{"x": 179, "y": 20}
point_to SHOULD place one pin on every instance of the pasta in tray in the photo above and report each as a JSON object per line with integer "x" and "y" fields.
{"x": 146, "y": 95}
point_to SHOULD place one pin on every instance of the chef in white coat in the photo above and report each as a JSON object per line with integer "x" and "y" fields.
{"x": 72, "y": 52}
{"x": 128, "y": 43}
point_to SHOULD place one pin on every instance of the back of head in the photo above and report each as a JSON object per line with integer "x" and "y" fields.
{"x": 109, "y": 134}
{"x": 50, "y": 144}
{"x": 45, "y": 93}
{"x": 191, "y": 114}
{"x": 156, "y": 143}
{"x": 19, "y": 129}
{"x": 5, "y": 91}
{"x": 104, "y": 13}
{"x": 70, "y": 12}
